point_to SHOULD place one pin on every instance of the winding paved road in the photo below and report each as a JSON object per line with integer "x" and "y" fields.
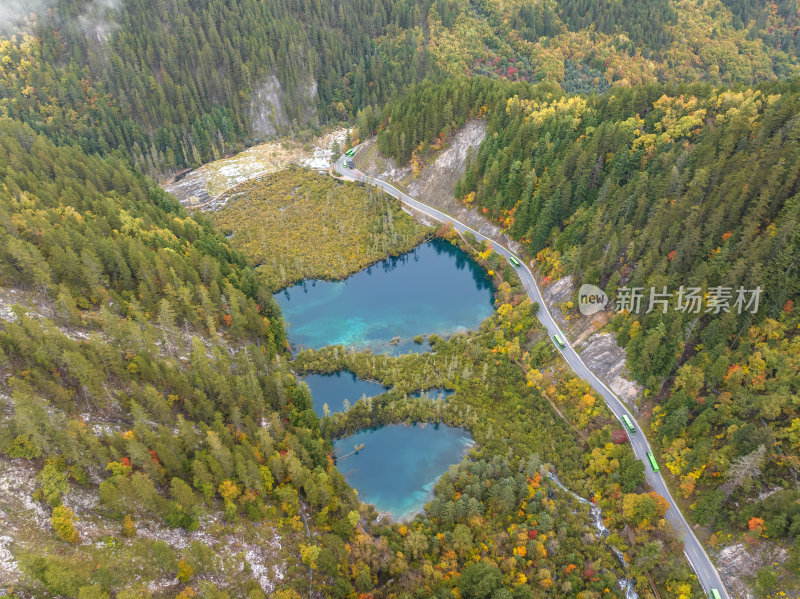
{"x": 693, "y": 550}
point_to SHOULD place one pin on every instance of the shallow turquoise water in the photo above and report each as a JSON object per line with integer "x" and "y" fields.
{"x": 399, "y": 465}
{"x": 434, "y": 393}
{"x": 333, "y": 389}
{"x": 435, "y": 288}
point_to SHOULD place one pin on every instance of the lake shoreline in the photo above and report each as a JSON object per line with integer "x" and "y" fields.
{"x": 436, "y": 289}
{"x": 398, "y": 476}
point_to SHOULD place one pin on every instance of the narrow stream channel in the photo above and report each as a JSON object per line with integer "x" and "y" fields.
{"x": 625, "y": 584}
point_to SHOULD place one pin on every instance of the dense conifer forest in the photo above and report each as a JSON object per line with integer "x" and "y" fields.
{"x": 175, "y": 83}
{"x": 657, "y": 187}
{"x": 155, "y": 440}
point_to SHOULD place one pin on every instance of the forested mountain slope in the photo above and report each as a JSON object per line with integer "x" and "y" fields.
{"x": 155, "y": 444}
{"x": 586, "y": 46}
{"x": 138, "y": 379}
{"x": 144, "y": 373}
{"x": 660, "y": 187}
{"x": 176, "y": 83}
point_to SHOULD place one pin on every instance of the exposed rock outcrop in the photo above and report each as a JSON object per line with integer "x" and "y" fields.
{"x": 607, "y": 360}
{"x": 267, "y": 116}
{"x": 599, "y": 350}
{"x": 739, "y": 561}
{"x": 556, "y": 294}
{"x": 435, "y": 185}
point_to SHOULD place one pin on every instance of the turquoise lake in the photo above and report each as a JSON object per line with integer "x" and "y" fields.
{"x": 435, "y": 288}
{"x": 333, "y": 389}
{"x": 399, "y": 465}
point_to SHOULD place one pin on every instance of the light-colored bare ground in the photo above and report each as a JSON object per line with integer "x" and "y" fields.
{"x": 607, "y": 359}
{"x": 739, "y": 561}
{"x": 435, "y": 184}
{"x": 201, "y": 186}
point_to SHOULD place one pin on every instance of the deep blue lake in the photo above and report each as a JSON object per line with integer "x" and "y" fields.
{"x": 333, "y": 389}
{"x": 399, "y": 464}
{"x": 435, "y": 288}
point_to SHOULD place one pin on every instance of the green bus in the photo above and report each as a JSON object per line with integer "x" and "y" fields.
{"x": 715, "y": 594}
{"x": 652, "y": 459}
{"x": 628, "y": 424}
{"x": 559, "y": 341}
{"x": 514, "y": 261}
{"x": 350, "y": 152}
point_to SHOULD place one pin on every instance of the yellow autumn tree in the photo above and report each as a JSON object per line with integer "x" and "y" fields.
{"x": 62, "y": 521}
{"x": 185, "y": 571}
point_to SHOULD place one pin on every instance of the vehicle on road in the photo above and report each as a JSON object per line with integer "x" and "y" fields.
{"x": 715, "y": 594}
{"x": 350, "y": 164}
{"x": 514, "y": 261}
{"x": 350, "y": 152}
{"x": 700, "y": 561}
{"x": 628, "y": 423}
{"x": 652, "y": 459}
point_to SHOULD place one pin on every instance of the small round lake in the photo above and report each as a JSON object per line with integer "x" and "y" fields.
{"x": 333, "y": 389}
{"x": 399, "y": 465}
{"x": 435, "y": 288}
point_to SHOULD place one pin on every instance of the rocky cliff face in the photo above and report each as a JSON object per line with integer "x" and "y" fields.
{"x": 437, "y": 181}
{"x": 435, "y": 184}
{"x": 555, "y": 294}
{"x": 739, "y": 561}
{"x": 267, "y": 116}
{"x": 607, "y": 359}
{"x": 268, "y": 113}
{"x": 599, "y": 350}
